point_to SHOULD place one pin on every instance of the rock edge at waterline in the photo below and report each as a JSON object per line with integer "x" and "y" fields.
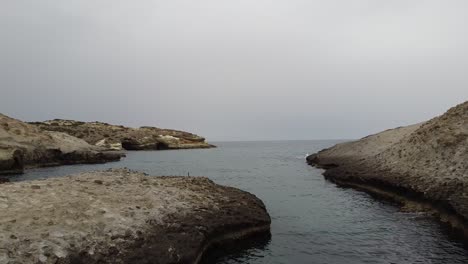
{"x": 117, "y": 137}
{"x": 23, "y": 145}
{"x": 120, "y": 216}
{"x": 424, "y": 167}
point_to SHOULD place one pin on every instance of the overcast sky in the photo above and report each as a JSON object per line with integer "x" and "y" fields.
{"x": 235, "y": 70}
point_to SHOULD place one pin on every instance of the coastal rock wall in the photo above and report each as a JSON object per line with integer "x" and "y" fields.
{"x": 23, "y": 145}
{"x": 117, "y": 137}
{"x": 11, "y": 161}
{"x": 120, "y": 216}
{"x": 427, "y": 162}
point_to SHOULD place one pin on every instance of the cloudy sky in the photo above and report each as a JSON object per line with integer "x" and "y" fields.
{"x": 235, "y": 70}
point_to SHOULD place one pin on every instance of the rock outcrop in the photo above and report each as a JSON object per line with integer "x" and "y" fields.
{"x": 425, "y": 164}
{"x": 120, "y": 137}
{"x": 24, "y": 145}
{"x": 120, "y": 216}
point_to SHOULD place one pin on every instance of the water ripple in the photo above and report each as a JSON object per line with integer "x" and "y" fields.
{"x": 313, "y": 220}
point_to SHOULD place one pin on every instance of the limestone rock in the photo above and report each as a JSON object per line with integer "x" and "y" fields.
{"x": 24, "y": 145}
{"x": 427, "y": 160}
{"x": 11, "y": 161}
{"x": 120, "y": 216}
{"x": 114, "y": 136}
{"x": 112, "y": 146}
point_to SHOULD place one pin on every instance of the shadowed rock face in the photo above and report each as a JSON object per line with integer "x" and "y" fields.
{"x": 118, "y": 137}
{"x": 23, "y": 145}
{"x": 120, "y": 216}
{"x": 11, "y": 161}
{"x": 428, "y": 161}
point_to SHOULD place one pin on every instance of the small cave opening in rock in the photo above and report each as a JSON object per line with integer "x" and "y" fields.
{"x": 132, "y": 144}
{"x": 18, "y": 160}
{"x": 18, "y": 163}
{"x": 162, "y": 146}
{"x": 128, "y": 146}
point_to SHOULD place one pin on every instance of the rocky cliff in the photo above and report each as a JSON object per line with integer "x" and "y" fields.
{"x": 120, "y": 216}
{"x": 424, "y": 164}
{"x": 24, "y": 145}
{"x": 121, "y": 137}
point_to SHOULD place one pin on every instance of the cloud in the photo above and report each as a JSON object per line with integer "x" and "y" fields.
{"x": 235, "y": 69}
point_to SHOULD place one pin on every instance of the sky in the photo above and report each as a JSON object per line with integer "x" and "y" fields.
{"x": 235, "y": 70}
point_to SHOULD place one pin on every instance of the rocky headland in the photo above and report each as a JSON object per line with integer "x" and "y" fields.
{"x": 117, "y": 137}
{"x": 120, "y": 216}
{"x": 424, "y": 167}
{"x": 23, "y": 145}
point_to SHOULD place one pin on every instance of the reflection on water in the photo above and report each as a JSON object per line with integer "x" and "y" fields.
{"x": 313, "y": 221}
{"x": 236, "y": 251}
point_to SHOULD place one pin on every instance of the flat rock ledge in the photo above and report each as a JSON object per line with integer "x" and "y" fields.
{"x": 446, "y": 203}
{"x": 423, "y": 167}
{"x": 121, "y": 216}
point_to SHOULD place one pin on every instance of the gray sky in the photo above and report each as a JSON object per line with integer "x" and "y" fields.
{"x": 235, "y": 70}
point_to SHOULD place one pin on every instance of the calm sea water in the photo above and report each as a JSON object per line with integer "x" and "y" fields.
{"x": 313, "y": 220}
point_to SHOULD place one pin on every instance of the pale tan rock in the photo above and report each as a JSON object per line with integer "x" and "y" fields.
{"x": 427, "y": 161}
{"x": 120, "y": 216}
{"x": 22, "y": 144}
{"x": 112, "y": 136}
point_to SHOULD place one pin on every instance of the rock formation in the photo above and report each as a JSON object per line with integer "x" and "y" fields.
{"x": 120, "y": 137}
{"x": 119, "y": 216}
{"x": 424, "y": 164}
{"x": 24, "y": 145}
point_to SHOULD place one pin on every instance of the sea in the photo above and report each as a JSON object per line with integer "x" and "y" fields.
{"x": 313, "y": 220}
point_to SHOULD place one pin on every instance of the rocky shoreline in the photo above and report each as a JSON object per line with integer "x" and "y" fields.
{"x": 64, "y": 142}
{"x": 116, "y": 137}
{"x": 24, "y": 146}
{"x": 423, "y": 167}
{"x": 120, "y": 216}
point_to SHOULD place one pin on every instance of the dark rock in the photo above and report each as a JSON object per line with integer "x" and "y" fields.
{"x": 11, "y": 161}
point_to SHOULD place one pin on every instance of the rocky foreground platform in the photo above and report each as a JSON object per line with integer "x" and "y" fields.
{"x": 120, "y": 216}
{"x": 423, "y": 166}
{"x": 23, "y": 145}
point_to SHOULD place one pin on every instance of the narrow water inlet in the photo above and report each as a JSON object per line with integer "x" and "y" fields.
{"x": 313, "y": 220}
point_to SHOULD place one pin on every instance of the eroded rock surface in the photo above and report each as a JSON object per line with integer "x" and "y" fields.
{"x": 427, "y": 160}
{"x": 120, "y": 216}
{"x": 22, "y": 144}
{"x": 120, "y": 137}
